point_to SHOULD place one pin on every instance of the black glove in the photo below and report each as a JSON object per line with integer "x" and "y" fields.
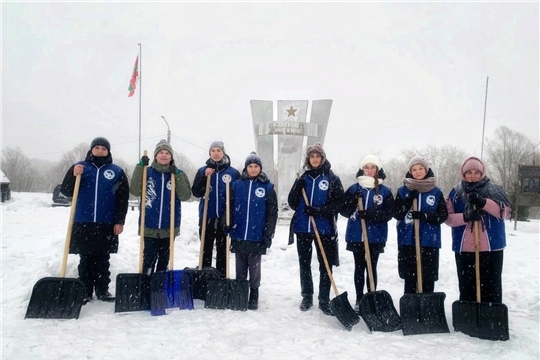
{"x": 477, "y": 200}
{"x": 267, "y": 241}
{"x": 365, "y": 214}
{"x": 226, "y": 229}
{"x": 358, "y": 193}
{"x": 312, "y": 211}
{"x": 174, "y": 170}
{"x": 211, "y": 164}
{"x": 145, "y": 160}
{"x": 472, "y": 215}
{"x": 419, "y": 215}
{"x": 301, "y": 183}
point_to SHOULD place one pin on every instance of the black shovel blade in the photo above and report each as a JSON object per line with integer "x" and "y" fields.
{"x": 378, "y": 311}
{"x": 227, "y": 294}
{"x": 423, "y": 313}
{"x": 200, "y": 278}
{"x": 132, "y": 293}
{"x": 170, "y": 289}
{"x": 487, "y": 321}
{"x": 343, "y": 311}
{"x": 56, "y": 298}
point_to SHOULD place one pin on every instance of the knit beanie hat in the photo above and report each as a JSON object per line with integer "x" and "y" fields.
{"x": 315, "y": 148}
{"x": 418, "y": 160}
{"x": 101, "y": 141}
{"x": 253, "y": 158}
{"x": 218, "y": 144}
{"x": 473, "y": 163}
{"x": 163, "y": 145}
{"x": 370, "y": 159}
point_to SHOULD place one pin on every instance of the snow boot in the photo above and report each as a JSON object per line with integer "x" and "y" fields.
{"x": 105, "y": 296}
{"x": 325, "y": 308}
{"x": 307, "y": 303}
{"x": 253, "y": 303}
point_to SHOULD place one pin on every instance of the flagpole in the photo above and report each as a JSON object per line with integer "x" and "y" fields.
{"x": 484, "y": 125}
{"x": 140, "y": 95}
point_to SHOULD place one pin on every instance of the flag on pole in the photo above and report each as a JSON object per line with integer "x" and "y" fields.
{"x": 133, "y": 81}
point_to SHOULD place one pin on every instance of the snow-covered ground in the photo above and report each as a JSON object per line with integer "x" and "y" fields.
{"x": 33, "y": 236}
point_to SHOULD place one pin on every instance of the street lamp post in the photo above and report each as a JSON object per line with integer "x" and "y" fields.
{"x": 168, "y": 130}
{"x": 534, "y": 148}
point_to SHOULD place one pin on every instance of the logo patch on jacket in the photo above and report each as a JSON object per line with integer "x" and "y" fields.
{"x": 108, "y": 174}
{"x": 323, "y": 185}
{"x": 430, "y": 200}
{"x": 260, "y": 192}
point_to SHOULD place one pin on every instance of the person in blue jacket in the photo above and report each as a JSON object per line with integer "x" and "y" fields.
{"x": 99, "y": 216}
{"x": 419, "y": 184}
{"x": 325, "y": 195}
{"x": 253, "y": 222}
{"x": 157, "y": 220}
{"x": 378, "y": 205}
{"x": 218, "y": 167}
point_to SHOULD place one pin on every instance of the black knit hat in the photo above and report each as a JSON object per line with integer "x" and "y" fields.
{"x": 101, "y": 141}
{"x": 253, "y": 158}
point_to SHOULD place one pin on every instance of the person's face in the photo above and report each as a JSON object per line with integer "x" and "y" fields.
{"x": 216, "y": 154}
{"x": 99, "y": 151}
{"x": 418, "y": 172}
{"x": 370, "y": 170}
{"x": 253, "y": 170}
{"x": 163, "y": 157}
{"x": 315, "y": 160}
{"x": 473, "y": 176}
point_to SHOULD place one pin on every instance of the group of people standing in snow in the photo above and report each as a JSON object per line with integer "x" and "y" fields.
{"x": 316, "y": 195}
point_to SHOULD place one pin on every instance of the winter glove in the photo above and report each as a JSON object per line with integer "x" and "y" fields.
{"x": 226, "y": 229}
{"x": 477, "y": 200}
{"x": 174, "y": 170}
{"x": 358, "y": 193}
{"x": 267, "y": 241}
{"x": 145, "y": 160}
{"x": 472, "y": 215}
{"x": 211, "y": 164}
{"x": 409, "y": 199}
{"x": 312, "y": 211}
{"x": 419, "y": 215}
{"x": 365, "y": 214}
{"x": 301, "y": 183}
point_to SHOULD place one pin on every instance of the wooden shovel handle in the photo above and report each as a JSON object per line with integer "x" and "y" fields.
{"x": 204, "y": 219}
{"x": 171, "y": 227}
{"x": 418, "y": 252}
{"x": 366, "y": 247}
{"x": 227, "y": 222}
{"x": 143, "y": 215}
{"x": 70, "y": 224}
{"x": 477, "y": 261}
{"x": 319, "y": 242}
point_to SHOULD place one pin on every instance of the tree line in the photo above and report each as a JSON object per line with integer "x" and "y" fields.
{"x": 505, "y": 151}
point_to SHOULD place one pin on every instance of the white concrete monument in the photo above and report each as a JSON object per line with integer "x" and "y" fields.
{"x": 290, "y": 128}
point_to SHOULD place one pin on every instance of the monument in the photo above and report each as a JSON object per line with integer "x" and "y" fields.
{"x": 291, "y": 130}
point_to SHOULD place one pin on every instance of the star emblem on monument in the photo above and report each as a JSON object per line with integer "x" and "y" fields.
{"x": 291, "y": 111}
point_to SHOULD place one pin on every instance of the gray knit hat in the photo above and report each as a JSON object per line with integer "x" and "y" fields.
{"x": 315, "y": 148}
{"x": 218, "y": 144}
{"x": 163, "y": 145}
{"x": 419, "y": 160}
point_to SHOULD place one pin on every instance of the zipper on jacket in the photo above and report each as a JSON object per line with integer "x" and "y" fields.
{"x": 96, "y": 193}
{"x": 161, "y": 201}
{"x": 217, "y": 193}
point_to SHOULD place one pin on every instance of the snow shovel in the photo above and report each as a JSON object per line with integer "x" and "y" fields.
{"x": 227, "y": 293}
{"x": 133, "y": 290}
{"x": 422, "y": 313}
{"x": 172, "y": 288}
{"x": 201, "y": 275}
{"x": 376, "y": 307}
{"x": 59, "y": 297}
{"x": 339, "y": 305}
{"x": 487, "y": 321}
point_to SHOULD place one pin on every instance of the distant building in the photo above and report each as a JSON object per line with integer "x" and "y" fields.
{"x": 6, "y": 191}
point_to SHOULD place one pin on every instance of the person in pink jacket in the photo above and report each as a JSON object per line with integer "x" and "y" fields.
{"x": 477, "y": 199}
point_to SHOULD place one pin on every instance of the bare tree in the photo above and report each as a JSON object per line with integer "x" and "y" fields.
{"x": 57, "y": 173}
{"x": 506, "y": 151}
{"x": 19, "y": 169}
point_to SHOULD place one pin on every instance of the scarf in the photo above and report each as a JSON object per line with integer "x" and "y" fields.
{"x": 221, "y": 164}
{"x": 485, "y": 188}
{"x": 368, "y": 182}
{"x": 99, "y": 161}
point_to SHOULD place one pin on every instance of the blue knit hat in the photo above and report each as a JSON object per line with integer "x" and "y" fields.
{"x": 253, "y": 158}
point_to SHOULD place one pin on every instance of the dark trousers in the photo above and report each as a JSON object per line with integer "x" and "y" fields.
{"x": 94, "y": 272}
{"x": 252, "y": 262}
{"x": 155, "y": 250}
{"x": 407, "y": 268}
{"x": 304, "y": 246}
{"x": 491, "y": 264}
{"x": 360, "y": 270}
{"x": 411, "y": 286}
{"x": 215, "y": 234}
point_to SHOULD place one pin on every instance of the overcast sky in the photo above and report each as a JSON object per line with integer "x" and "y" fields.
{"x": 400, "y": 75}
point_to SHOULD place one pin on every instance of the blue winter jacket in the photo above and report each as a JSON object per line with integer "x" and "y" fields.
{"x": 97, "y": 193}
{"x": 217, "y": 196}
{"x": 158, "y": 201}
{"x": 430, "y": 233}
{"x": 250, "y": 208}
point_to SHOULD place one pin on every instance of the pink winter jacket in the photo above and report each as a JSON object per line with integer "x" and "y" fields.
{"x": 456, "y": 219}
